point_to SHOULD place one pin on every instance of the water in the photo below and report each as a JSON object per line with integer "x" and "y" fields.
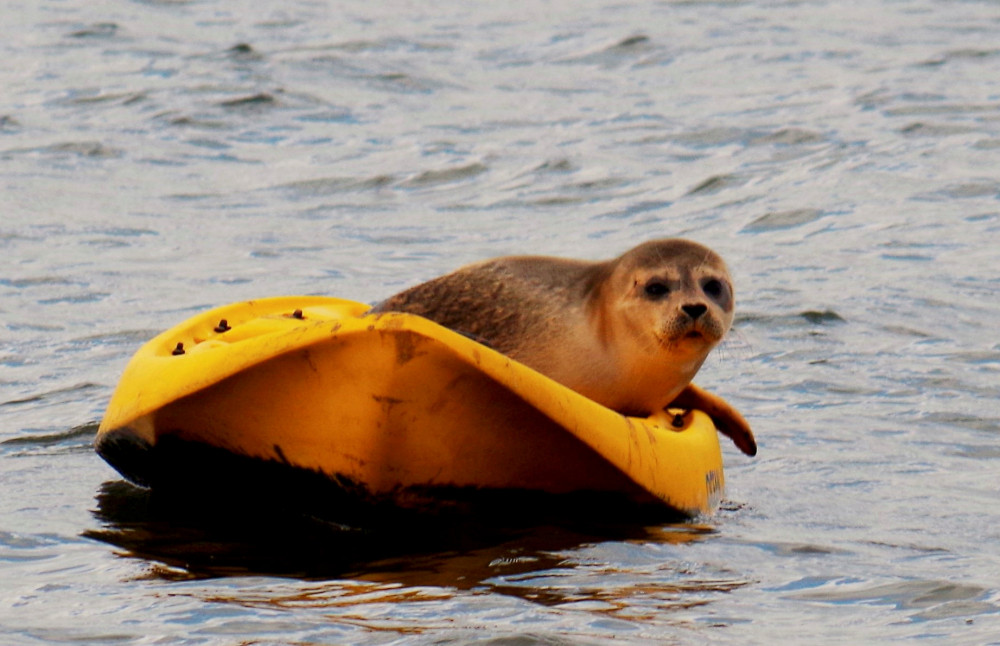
{"x": 160, "y": 157}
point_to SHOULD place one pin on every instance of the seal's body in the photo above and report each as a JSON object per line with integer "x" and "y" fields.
{"x": 629, "y": 333}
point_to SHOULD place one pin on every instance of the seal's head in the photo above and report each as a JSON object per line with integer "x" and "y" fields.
{"x": 669, "y": 299}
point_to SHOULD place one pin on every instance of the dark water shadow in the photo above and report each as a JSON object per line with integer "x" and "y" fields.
{"x": 204, "y": 537}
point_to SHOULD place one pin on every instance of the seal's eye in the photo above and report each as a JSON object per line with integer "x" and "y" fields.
{"x": 656, "y": 289}
{"x": 713, "y": 288}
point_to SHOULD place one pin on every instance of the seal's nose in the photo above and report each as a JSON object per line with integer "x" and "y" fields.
{"x": 694, "y": 311}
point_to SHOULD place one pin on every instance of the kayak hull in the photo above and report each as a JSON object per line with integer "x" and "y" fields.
{"x": 387, "y": 409}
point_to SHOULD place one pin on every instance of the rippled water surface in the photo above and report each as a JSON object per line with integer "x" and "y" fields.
{"x": 159, "y": 157}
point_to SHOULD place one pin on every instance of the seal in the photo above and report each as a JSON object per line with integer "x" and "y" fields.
{"x": 629, "y": 333}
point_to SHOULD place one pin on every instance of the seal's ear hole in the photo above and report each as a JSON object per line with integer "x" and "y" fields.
{"x": 656, "y": 288}
{"x": 713, "y": 288}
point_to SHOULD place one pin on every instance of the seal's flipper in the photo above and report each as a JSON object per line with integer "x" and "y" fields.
{"x": 726, "y": 418}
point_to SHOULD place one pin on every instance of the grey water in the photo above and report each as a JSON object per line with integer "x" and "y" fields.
{"x": 161, "y": 157}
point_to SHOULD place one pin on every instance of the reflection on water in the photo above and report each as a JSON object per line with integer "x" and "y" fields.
{"x": 209, "y": 537}
{"x": 368, "y": 578}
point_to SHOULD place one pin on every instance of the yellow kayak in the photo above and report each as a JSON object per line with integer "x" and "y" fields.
{"x": 388, "y": 408}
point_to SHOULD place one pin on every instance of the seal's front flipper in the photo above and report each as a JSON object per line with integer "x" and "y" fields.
{"x": 726, "y": 418}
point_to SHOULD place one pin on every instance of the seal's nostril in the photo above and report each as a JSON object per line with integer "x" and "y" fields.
{"x": 694, "y": 311}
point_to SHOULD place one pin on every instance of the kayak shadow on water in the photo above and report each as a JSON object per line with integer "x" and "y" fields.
{"x": 214, "y": 513}
{"x": 201, "y": 536}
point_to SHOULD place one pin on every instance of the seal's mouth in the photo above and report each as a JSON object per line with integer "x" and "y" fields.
{"x": 694, "y": 333}
{"x": 694, "y": 337}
